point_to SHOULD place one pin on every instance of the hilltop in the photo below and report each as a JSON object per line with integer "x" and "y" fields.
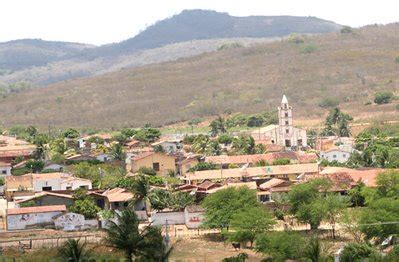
{"x": 33, "y": 62}
{"x": 348, "y": 67}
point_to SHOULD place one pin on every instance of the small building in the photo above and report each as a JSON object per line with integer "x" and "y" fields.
{"x": 33, "y": 217}
{"x": 5, "y": 169}
{"x": 274, "y": 185}
{"x": 339, "y": 155}
{"x": 283, "y": 134}
{"x": 47, "y": 198}
{"x": 168, "y": 146}
{"x": 187, "y": 163}
{"x": 55, "y": 167}
{"x": 160, "y": 162}
{"x": 12, "y": 148}
{"x": 103, "y": 157}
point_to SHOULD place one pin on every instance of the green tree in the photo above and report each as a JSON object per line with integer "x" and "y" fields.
{"x": 159, "y": 199}
{"x": 218, "y": 126}
{"x": 35, "y": 165}
{"x": 383, "y": 97}
{"x": 203, "y": 166}
{"x": 147, "y": 134}
{"x": 125, "y": 235}
{"x": 243, "y": 145}
{"x": 356, "y": 195}
{"x": 281, "y": 246}
{"x": 223, "y": 204}
{"x": 251, "y": 222}
{"x": 316, "y": 251}
{"x": 117, "y": 152}
{"x": 281, "y": 161}
{"x": 71, "y": 133}
{"x": 74, "y": 251}
{"x": 86, "y": 207}
{"x": 337, "y": 123}
{"x": 356, "y": 252}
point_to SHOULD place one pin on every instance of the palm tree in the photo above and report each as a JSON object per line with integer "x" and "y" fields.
{"x": 117, "y": 152}
{"x": 141, "y": 190}
{"x": 316, "y": 252}
{"x": 74, "y": 251}
{"x": 125, "y": 235}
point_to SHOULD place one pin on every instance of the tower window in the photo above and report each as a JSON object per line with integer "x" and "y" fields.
{"x": 286, "y": 123}
{"x": 287, "y": 131}
{"x": 286, "y": 114}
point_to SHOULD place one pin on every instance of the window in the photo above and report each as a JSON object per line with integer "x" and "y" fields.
{"x": 4, "y": 172}
{"x": 344, "y": 155}
{"x": 264, "y": 198}
{"x": 84, "y": 187}
{"x": 68, "y": 188}
{"x": 116, "y": 204}
{"x": 299, "y": 142}
{"x": 286, "y": 114}
{"x": 286, "y": 123}
{"x": 155, "y": 166}
{"x": 334, "y": 156}
{"x": 288, "y": 143}
{"x": 272, "y": 141}
{"x": 47, "y": 188}
{"x": 287, "y": 131}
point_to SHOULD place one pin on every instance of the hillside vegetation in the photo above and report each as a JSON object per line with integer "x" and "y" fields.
{"x": 32, "y": 62}
{"x": 348, "y": 67}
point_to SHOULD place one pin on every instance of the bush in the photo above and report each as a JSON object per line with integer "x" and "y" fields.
{"x": 30, "y": 203}
{"x": 329, "y": 102}
{"x": 308, "y": 49}
{"x": 346, "y": 30}
{"x": 202, "y": 166}
{"x": 85, "y": 207}
{"x": 281, "y": 245}
{"x": 397, "y": 60}
{"x": 147, "y": 171}
{"x": 225, "y": 139}
{"x": 356, "y": 252}
{"x": 281, "y": 162}
{"x": 383, "y": 97}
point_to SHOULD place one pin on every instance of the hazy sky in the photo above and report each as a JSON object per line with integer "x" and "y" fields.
{"x": 105, "y": 21}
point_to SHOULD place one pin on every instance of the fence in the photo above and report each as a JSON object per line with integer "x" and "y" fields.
{"x": 34, "y": 243}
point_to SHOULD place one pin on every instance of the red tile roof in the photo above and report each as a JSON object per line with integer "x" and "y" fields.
{"x": 269, "y": 158}
{"x": 39, "y": 209}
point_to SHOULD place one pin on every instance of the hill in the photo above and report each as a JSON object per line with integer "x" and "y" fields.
{"x": 348, "y": 67}
{"x": 37, "y": 63}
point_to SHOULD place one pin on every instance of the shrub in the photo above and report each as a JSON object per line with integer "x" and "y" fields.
{"x": 30, "y": 203}
{"x": 346, "y": 29}
{"x": 225, "y": 139}
{"x": 295, "y": 38}
{"x": 281, "y": 162}
{"x": 195, "y": 121}
{"x": 383, "y": 97}
{"x": 147, "y": 171}
{"x": 397, "y": 60}
{"x": 329, "y": 102}
{"x": 308, "y": 49}
{"x": 1, "y": 181}
{"x": 356, "y": 252}
{"x": 202, "y": 166}
{"x": 281, "y": 245}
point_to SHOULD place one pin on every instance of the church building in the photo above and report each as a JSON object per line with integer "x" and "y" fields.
{"x": 283, "y": 134}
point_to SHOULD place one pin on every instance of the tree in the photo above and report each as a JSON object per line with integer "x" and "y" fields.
{"x": 243, "y": 145}
{"x": 281, "y": 161}
{"x": 383, "y": 97}
{"x": 356, "y": 252}
{"x": 316, "y": 251}
{"x": 356, "y": 195}
{"x": 35, "y": 165}
{"x": 141, "y": 190}
{"x": 281, "y": 246}
{"x": 147, "y": 134}
{"x": 337, "y": 123}
{"x": 74, "y": 251}
{"x": 159, "y": 199}
{"x": 203, "y": 166}
{"x": 249, "y": 223}
{"x": 71, "y": 133}
{"x": 218, "y": 126}
{"x": 388, "y": 184}
{"x": 117, "y": 152}
{"x": 125, "y": 236}
{"x": 223, "y": 204}
{"x": 86, "y": 207}
{"x": 305, "y": 198}
{"x": 331, "y": 208}
{"x": 40, "y": 141}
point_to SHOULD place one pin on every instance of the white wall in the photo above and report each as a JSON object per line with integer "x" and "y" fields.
{"x": 335, "y": 155}
{"x": 75, "y": 184}
{"x": 174, "y": 218}
{"x": 54, "y": 183}
{"x": 74, "y": 222}
{"x": 193, "y": 219}
{"x": 15, "y": 222}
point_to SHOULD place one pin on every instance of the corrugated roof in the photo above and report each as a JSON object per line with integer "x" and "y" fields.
{"x": 38, "y": 209}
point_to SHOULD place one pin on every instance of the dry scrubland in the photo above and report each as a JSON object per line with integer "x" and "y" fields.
{"x": 350, "y": 67}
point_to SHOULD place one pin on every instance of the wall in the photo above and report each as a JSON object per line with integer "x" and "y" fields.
{"x": 186, "y": 166}
{"x": 15, "y": 222}
{"x": 166, "y": 163}
{"x": 340, "y": 156}
{"x": 75, "y": 184}
{"x": 174, "y": 218}
{"x": 54, "y": 183}
{"x": 193, "y": 219}
{"x": 74, "y": 222}
{"x": 49, "y": 200}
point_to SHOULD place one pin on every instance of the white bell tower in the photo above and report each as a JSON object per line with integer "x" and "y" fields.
{"x": 286, "y": 129}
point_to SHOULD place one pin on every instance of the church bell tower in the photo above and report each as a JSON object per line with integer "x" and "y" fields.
{"x": 286, "y": 129}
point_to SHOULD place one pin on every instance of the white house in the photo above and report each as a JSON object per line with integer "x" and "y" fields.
{"x": 336, "y": 154}
{"x": 103, "y": 157}
{"x": 5, "y": 169}
{"x": 74, "y": 222}
{"x": 168, "y": 146}
{"x": 28, "y": 217}
{"x": 73, "y": 183}
{"x": 283, "y": 134}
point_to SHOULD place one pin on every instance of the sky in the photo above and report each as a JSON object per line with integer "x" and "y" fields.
{"x": 106, "y": 21}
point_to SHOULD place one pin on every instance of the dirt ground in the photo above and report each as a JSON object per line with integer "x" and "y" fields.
{"x": 207, "y": 248}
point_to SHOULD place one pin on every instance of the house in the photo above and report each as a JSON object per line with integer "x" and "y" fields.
{"x": 283, "y": 134}
{"x": 12, "y": 148}
{"x": 339, "y": 155}
{"x": 366, "y": 175}
{"x": 160, "y": 162}
{"x": 80, "y": 157}
{"x": 5, "y": 169}
{"x": 296, "y": 157}
{"x": 54, "y": 166}
{"x": 83, "y": 142}
{"x": 118, "y": 199}
{"x": 186, "y": 163}
{"x": 31, "y": 183}
{"x": 168, "y": 146}
{"x": 101, "y": 156}
{"x": 191, "y": 216}
{"x": 47, "y": 198}
{"x": 274, "y": 185}
{"x": 290, "y": 172}
{"x": 31, "y": 217}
